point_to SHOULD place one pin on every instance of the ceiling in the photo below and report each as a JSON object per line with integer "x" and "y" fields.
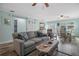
{"x": 41, "y": 12}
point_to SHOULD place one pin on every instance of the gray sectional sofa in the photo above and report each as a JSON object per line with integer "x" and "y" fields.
{"x": 25, "y": 42}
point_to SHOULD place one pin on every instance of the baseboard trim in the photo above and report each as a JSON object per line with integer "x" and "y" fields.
{"x": 6, "y": 42}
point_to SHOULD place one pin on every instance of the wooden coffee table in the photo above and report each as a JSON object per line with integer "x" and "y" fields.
{"x": 47, "y": 49}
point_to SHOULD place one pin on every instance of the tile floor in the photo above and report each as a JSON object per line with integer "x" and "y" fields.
{"x": 69, "y": 48}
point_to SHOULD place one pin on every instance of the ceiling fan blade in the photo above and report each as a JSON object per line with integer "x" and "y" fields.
{"x": 46, "y": 4}
{"x": 34, "y": 4}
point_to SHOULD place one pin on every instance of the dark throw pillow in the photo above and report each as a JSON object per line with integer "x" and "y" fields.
{"x": 39, "y": 34}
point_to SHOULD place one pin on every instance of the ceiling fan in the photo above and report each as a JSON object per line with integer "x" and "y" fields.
{"x": 46, "y": 4}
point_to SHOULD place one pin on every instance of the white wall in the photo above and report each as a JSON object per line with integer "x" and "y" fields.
{"x": 21, "y": 25}
{"x": 0, "y": 28}
{"x": 5, "y": 30}
{"x": 32, "y": 24}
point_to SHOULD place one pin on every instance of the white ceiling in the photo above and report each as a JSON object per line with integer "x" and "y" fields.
{"x": 40, "y": 12}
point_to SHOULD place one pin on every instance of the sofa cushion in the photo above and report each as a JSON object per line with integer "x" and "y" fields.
{"x": 35, "y": 32}
{"x": 44, "y": 38}
{"x": 36, "y": 40}
{"x": 23, "y": 35}
{"x": 29, "y": 43}
{"x": 40, "y": 34}
{"x": 31, "y": 34}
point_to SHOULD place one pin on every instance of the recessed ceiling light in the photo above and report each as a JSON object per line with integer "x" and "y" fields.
{"x": 61, "y": 15}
